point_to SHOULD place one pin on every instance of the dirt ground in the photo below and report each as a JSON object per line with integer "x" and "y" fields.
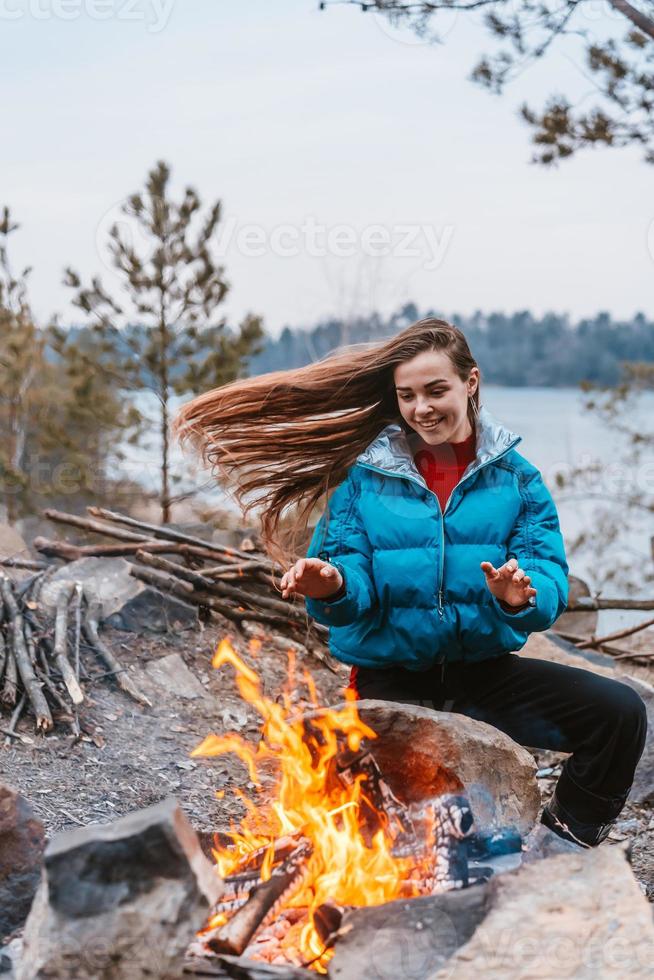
{"x": 131, "y": 756}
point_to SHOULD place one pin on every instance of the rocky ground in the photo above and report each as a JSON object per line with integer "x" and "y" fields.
{"x": 131, "y": 756}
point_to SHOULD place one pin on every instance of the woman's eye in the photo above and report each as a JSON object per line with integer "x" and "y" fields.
{"x": 433, "y": 394}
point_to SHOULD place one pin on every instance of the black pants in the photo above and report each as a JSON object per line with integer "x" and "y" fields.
{"x": 539, "y": 704}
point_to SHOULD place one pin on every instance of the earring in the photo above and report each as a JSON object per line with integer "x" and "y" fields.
{"x": 473, "y": 403}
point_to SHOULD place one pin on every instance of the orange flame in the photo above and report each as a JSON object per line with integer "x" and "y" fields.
{"x": 307, "y": 800}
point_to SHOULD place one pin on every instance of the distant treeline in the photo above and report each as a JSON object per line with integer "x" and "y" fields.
{"x": 516, "y": 349}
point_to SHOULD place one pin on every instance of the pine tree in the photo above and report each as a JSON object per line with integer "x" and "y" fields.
{"x": 166, "y": 326}
{"x": 59, "y": 410}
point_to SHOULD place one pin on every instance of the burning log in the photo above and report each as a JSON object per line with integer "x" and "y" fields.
{"x": 262, "y": 902}
{"x": 381, "y": 806}
{"x": 23, "y": 662}
{"x": 124, "y": 681}
{"x": 450, "y": 820}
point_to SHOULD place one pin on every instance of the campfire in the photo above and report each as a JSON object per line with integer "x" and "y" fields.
{"x": 331, "y": 835}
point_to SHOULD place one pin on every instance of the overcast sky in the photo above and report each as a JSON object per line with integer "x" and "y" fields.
{"x": 331, "y": 139}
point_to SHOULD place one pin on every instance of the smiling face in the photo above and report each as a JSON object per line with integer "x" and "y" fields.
{"x": 433, "y": 399}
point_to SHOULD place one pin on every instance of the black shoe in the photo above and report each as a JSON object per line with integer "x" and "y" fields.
{"x": 566, "y": 826}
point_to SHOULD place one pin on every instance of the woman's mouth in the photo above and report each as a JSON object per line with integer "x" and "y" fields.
{"x": 431, "y": 425}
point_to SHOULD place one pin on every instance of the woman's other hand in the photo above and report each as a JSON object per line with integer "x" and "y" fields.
{"x": 509, "y": 583}
{"x": 312, "y": 577}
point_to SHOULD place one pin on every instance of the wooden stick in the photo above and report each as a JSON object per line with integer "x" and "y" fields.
{"x": 589, "y": 604}
{"x": 3, "y": 653}
{"x": 10, "y": 686}
{"x": 11, "y": 732}
{"x": 596, "y": 641}
{"x": 161, "y": 531}
{"x": 40, "y": 582}
{"x": 245, "y": 566}
{"x": 73, "y": 552}
{"x": 69, "y": 710}
{"x": 77, "y": 609}
{"x": 61, "y": 641}
{"x": 220, "y": 588}
{"x": 163, "y": 581}
{"x": 123, "y": 679}
{"x": 86, "y": 524}
{"x": 29, "y": 563}
{"x": 32, "y": 687}
{"x": 614, "y": 652}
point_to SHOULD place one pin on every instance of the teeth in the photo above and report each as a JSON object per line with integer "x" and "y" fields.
{"x": 432, "y": 424}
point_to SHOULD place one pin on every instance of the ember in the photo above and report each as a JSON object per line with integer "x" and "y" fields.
{"x": 332, "y": 836}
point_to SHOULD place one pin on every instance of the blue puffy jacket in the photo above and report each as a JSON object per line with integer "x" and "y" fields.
{"x": 415, "y": 594}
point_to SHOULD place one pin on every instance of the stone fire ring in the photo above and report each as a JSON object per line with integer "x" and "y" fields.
{"x": 424, "y": 753}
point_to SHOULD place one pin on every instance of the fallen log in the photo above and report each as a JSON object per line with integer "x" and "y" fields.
{"x": 90, "y": 627}
{"x": 30, "y": 681}
{"x": 60, "y": 643}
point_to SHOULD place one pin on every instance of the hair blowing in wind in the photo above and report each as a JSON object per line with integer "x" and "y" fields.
{"x": 287, "y": 438}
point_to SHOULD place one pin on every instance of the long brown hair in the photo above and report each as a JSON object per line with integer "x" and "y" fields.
{"x": 288, "y": 437}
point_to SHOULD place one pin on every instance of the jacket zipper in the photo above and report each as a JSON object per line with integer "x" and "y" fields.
{"x": 441, "y": 570}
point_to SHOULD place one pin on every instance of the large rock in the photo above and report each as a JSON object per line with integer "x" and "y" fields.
{"x": 407, "y": 938}
{"x": 126, "y": 602}
{"x": 547, "y": 646}
{"x": 574, "y": 915}
{"x": 169, "y": 674}
{"x": 423, "y": 753}
{"x": 577, "y": 623}
{"x": 22, "y": 842}
{"x": 119, "y": 901}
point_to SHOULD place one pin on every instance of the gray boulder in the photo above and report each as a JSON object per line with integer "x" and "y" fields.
{"x": 126, "y": 602}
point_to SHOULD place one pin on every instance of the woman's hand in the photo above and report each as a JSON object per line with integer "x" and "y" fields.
{"x": 312, "y": 577}
{"x": 508, "y": 583}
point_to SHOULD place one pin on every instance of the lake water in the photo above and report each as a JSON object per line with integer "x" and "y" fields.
{"x": 557, "y": 434}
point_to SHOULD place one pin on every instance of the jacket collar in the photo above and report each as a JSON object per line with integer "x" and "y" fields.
{"x": 392, "y": 449}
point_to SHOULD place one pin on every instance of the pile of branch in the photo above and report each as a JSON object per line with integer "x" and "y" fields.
{"x": 41, "y": 669}
{"x": 237, "y": 584}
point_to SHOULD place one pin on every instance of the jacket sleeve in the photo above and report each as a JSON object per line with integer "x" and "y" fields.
{"x": 340, "y": 538}
{"x": 537, "y": 543}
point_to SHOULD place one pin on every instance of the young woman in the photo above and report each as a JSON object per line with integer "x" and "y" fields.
{"x": 438, "y": 554}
